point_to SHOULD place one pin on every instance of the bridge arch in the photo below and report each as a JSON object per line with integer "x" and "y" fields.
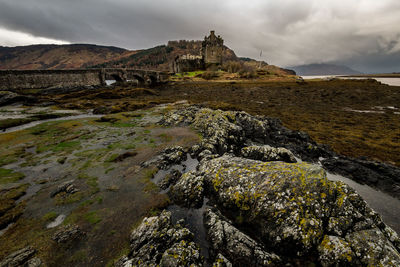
{"x": 116, "y": 77}
{"x": 137, "y": 76}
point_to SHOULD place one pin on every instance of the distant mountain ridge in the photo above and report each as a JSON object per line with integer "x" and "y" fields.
{"x": 323, "y": 69}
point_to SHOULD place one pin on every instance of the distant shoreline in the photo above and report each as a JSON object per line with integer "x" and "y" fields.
{"x": 387, "y": 75}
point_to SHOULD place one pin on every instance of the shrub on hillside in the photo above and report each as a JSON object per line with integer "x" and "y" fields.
{"x": 208, "y": 75}
{"x": 247, "y": 74}
{"x": 232, "y": 66}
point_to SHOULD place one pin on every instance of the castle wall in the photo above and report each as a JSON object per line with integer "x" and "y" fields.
{"x": 38, "y": 79}
{"x": 187, "y": 65}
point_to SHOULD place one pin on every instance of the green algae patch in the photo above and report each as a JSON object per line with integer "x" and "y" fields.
{"x": 49, "y": 216}
{"x": 15, "y": 192}
{"x": 9, "y": 176}
{"x": 64, "y": 199}
{"x": 7, "y": 123}
{"x": 147, "y": 175}
{"x": 91, "y": 181}
{"x": 92, "y": 217}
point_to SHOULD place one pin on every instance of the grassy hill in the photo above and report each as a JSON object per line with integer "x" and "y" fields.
{"x": 58, "y": 56}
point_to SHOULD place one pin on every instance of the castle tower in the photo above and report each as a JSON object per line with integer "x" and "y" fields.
{"x": 212, "y": 48}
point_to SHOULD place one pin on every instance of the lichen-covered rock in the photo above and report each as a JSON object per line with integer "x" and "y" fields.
{"x": 189, "y": 190}
{"x": 156, "y": 239}
{"x": 335, "y": 251}
{"x": 227, "y": 131}
{"x": 170, "y": 179}
{"x": 373, "y": 249}
{"x": 170, "y": 155}
{"x": 221, "y": 261}
{"x": 235, "y": 245}
{"x": 268, "y": 153}
{"x": 22, "y": 257}
{"x": 286, "y": 203}
{"x": 220, "y": 133}
{"x": 181, "y": 254}
{"x": 293, "y": 207}
{"x": 68, "y": 233}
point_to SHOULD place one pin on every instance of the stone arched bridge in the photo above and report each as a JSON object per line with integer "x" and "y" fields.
{"x": 38, "y": 79}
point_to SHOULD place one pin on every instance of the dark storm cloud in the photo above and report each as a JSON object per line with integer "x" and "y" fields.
{"x": 361, "y": 33}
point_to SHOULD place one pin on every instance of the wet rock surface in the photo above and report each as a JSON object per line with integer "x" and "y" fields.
{"x": 7, "y": 97}
{"x": 380, "y": 175}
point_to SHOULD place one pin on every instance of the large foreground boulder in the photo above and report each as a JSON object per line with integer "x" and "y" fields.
{"x": 295, "y": 212}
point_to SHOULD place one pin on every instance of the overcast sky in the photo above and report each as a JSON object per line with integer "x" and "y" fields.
{"x": 363, "y": 34}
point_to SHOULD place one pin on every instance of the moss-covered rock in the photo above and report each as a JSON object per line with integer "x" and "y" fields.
{"x": 286, "y": 203}
{"x": 295, "y": 211}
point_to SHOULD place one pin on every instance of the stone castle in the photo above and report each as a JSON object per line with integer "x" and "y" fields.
{"x": 210, "y": 57}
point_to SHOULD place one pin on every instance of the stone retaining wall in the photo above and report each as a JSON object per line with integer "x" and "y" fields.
{"x": 38, "y": 79}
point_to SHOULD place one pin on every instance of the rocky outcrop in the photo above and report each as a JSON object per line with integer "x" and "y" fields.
{"x": 188, "y": 191}
{"x": 232, "y": 131}
{"x": 293, "y": 207}
{"x": 169, "y": 179}
{"x": 169, "y": 156}
{"x": 268, "y": 153}
{"x": 227, "y": 241}
{"x": 23, "y": 257}
{"x": 67, "y": 234}
{"x": 267, "y": 209}
{"x": 275, "y": 213}
{"x": 156, "y": 241}
{"x": 229, "y": 131}
{"x": 67, "y": 187}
